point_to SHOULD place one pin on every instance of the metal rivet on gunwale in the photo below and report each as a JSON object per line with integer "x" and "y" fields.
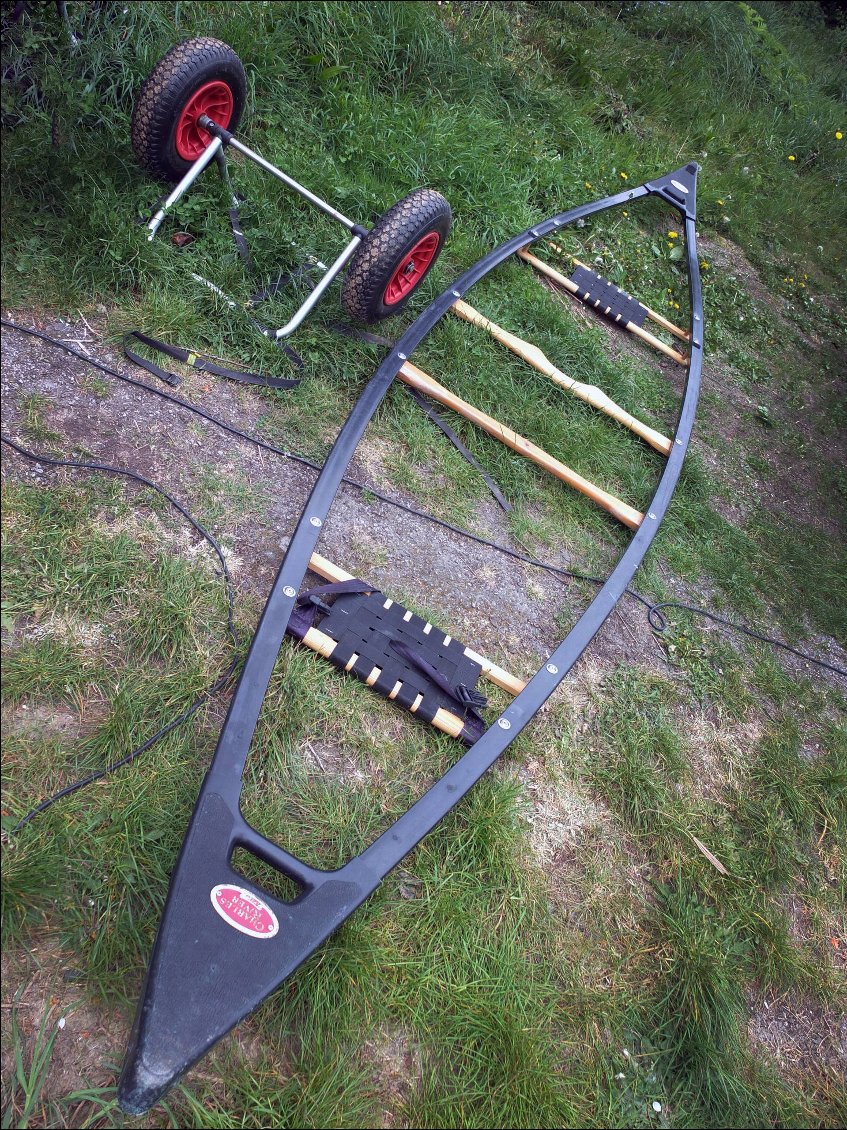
{"x": 552, "y": 668}
{"x": 289, "y": 591}
{"x": 456, "y": 293}
{"x": 504, "y": 723}
{"x": 402, "y": 356}
{"x": 316, "y": 521}
{"x": 652, "y": 515}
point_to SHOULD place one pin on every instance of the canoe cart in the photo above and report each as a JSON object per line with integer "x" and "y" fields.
{"x": 224, "y": 942}
{"x": 185, "y": 118}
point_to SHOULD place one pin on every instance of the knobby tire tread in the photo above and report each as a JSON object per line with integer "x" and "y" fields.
{"x": 166, "y": 91}
{"x": 392, "y": 237}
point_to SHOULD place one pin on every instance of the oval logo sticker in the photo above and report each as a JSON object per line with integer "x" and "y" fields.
{"x": 244, "y": 911}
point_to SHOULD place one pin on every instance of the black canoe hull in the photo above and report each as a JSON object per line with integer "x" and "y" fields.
{"x": 205, "y": 976}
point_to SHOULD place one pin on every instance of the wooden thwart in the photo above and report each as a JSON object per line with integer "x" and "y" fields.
{"x": 638, "y": 331}
{"x": 589, "y": 393}
{"x": 411, "y": 375}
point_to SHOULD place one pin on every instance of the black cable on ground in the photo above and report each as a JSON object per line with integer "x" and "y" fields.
{"x": 209, "y": 692}
{"x": 658, "y": 622}
{"x": 655, "y": 617}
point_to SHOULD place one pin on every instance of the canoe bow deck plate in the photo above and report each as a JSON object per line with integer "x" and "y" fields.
{"x": 223, "y": 946}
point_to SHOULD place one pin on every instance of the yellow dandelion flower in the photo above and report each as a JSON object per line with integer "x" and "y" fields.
{"x": 704, "y": 265}
{"x": 838, "y": 135}
{"x": 673, "y": 235}
{"x": 624, "y": 176}
{"x": 626, "y": 213}
{"x": 588, "y": 184}
{"x": 676, "y": 305}
{"x": 720, "y": 202}
{"x": 791, "y": 157}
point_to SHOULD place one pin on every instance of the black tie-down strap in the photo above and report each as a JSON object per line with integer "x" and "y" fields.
{"x": 431, "y": 414}
{"x": 397, "y": 653}
{"x": 467, "y": 455}
{"x": 239, "y": 238}
{"x": 607, "y": 298}
{"x": 283, "y": 280}
{"x": 197, "y": 361}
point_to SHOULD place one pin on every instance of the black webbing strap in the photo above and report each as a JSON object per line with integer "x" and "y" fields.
{"x": 608, "y": 299}
{"x": 240, "y": 240}
{"x": 202, "y": 364}
{"x": 417, "y": 662}
{"x": 310, "y": 603}
{"x": 151, "y": 366}
{"x": 466, "y": 697}
{"x": 238, "y": 237}
{"x": 430, "y": 413}
{"x": 284, "y": 280}
{"x": 361, "y": 335}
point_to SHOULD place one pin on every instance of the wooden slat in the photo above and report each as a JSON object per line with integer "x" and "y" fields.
{"x": 417, "y": 378}
{"x": 539, "y": 360}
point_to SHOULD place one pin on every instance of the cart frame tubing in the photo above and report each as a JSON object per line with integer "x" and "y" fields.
{"x": 216, "y": 149}
{"x": 181, "y": 993}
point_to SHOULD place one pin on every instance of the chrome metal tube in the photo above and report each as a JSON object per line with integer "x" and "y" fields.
{"x": 186, "y": 182}
{"x": 298, "y": 188}
{"x": 317, "y": 293}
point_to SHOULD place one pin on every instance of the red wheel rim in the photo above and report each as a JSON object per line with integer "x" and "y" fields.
{"x": 212, "y": 98}
{"x": 412, "y": 269}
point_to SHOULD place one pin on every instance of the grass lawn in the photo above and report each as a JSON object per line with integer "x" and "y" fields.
{"x": 637, "y": 918}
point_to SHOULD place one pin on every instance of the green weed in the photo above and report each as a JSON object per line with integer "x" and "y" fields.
{"x": 30, "y": 1071}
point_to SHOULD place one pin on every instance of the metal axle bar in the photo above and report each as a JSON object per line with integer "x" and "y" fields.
{"x": 292, "y": 183}
{"x": 315, "y": 296}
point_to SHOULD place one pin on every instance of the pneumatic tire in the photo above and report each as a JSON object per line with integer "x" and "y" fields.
{"x": 396, "y": 256}
{"x": 198, "y": 76}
